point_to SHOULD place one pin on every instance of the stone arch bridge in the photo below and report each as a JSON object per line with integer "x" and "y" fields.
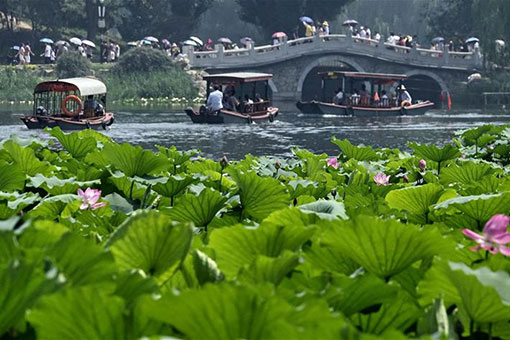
{"x": 295, "y": 63}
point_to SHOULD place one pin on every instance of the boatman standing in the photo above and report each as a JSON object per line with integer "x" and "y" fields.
{"x": 404, "y": 95}
{"x": 214, "y": 102}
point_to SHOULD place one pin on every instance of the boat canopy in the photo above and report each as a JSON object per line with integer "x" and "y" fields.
{"x": 362, "y": 75}
{"x": 85, "y": 86}
{"x": 238, "y": 77}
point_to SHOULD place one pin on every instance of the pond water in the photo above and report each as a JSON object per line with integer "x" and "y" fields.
{"x": 170, "y": 126}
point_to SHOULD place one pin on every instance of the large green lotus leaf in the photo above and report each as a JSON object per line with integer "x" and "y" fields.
{"x": 268, "y": 269}
{"x": 173, "y": 185}
{"x": 206, "y": 269}
{"x": 238, "y": 246}
{"x": 76, "y": 145}
{"x": 9, "y": 249}
{"x": 222, "y": 311}
{"x": 22, "y": 284}
{"x": 326, "y": 259}
{"x": 133, "y": 160}
{"x": 129, "y": 187}
{"x": 437, "y": 284}
{"x": 472, "y": 136}
{"x": 82, "y": 261}
{"x": 119, "y": 203}
{"x": 80, "y": 170}
{"x": 312, "y": 165}
{"x": 400, "y": 313}
{"x": 415, "y": 200}
{"x": 151, "y": 242}
{"x": 469, "y": 172}
{"x": 434, "y": 153}
{"x": 384, "y": 248}
{"x": 203, "y": 166}
{"x": 199, "y": 209}
{"x": 11, "y": 177}
{"x": 480, "y": 208}
{"x": 260, "y": 196}
{"x": 132, "y": 284}
{"x": 351, "y": 295}
{"x": 12, "y": 203}
{"x": 301, "y": 187}
{"x": 328, "y": 210}
{"x": 25, "y": 158}
{"x": 78, "y": 313}
{"x": 485, "y": 294}
{"x": 360, "y": 153}
{"x": 54, "y": 206}
{"x": 176, "y": 157}
{"x": 56, "y": 186}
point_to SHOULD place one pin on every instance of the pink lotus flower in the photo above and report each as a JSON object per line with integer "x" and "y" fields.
{"x": 333, "y": 161}
{"x": 494, "y": 236}
{"x": 422, "y": 164}
{"x": 381, "y": 179}
{"x": 90, "y": 197}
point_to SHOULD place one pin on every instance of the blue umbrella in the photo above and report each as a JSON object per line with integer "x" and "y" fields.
{"x": 16, "y": 48}
{"x": 472, "y": 40}
{"x": 308, "y": 20}
{"x": 46, "y": 41}
{"x": 146, "y": 42}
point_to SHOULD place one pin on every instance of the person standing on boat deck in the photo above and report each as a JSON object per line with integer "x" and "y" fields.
{"x": 404, "y": 95}
{"x": 339, "y": 97}
{"x": 214, "y": 102}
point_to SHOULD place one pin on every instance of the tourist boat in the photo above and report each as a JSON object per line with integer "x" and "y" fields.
{"x": 240, "y": 84}
{"x": 71, "y": 104}
{"x": 368, "y": 105}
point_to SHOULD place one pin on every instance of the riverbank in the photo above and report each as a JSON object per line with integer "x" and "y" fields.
{"x": 177, "y": 86}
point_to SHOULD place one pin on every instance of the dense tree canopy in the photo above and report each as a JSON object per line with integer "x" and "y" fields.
{"x": 282, "y": 15}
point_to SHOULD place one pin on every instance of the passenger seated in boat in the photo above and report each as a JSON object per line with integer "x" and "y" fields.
{"x": 214, "y": 101}
{"x": 258, "y": 98}
{"x": 231, "y": 102}
{"x": 99, "y": 110}
{"x": 89, "y": 106}
{"x": 385, "y": 101}
{"x": 339, "y": 97}
{"x": 248, "y": 104}
{"x": 363, "y": 91}
{"x": 355, "y": 98}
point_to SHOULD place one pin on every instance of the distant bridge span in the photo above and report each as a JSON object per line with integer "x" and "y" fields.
{"x": 294, "y": 63}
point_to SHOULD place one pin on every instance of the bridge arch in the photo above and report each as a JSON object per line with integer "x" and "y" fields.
{"x": 326, "y": 61}
{"x": 427, "y": 85}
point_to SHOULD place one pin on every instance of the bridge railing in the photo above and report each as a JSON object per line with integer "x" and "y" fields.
{"x": 252, "y": 56}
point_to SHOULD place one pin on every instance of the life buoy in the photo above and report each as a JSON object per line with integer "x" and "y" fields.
{"x": 405, "y": 103}
{"x": 74, "y": 99}
{"x": 271, "y": 117}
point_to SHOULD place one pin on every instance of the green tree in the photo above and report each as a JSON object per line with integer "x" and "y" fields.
{"x": 282, "y": 15}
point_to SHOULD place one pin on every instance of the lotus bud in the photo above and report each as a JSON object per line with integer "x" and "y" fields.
{"x": 224, "y": 162}
{"x": 277, "y": 165}
{"x": 422, "y": 164}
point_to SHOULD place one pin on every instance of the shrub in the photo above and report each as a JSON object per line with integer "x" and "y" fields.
{"x": 142, "y": 60}
{"x": 17, "y": 84}
{"x": 73, "y": 64}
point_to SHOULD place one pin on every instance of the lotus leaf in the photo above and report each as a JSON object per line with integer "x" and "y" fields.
{"x": 360, "y": 153}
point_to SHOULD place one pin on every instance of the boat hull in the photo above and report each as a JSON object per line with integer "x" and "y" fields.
{"x": 230, "y": 117}
{"x": 68, "y": 123}
{"x": 359, "y": 111}
{"x": 309, "y": 107}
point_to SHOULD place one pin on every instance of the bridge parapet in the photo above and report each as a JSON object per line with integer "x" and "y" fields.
{"x": 331, "y": 44}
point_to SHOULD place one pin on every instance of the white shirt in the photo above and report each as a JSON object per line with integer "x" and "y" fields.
{"x": 377, "y": 37}
{"x": 406, "y": 96}
{"x": 47, "y": 51}
{"x": 362, "y": 34}
{"x": 338, "y": 98}
{"x": 214, "y": 102}
{"x": 369, "y": 33}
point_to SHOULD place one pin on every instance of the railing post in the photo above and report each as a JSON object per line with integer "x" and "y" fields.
{"x": 190, "y": 54}
{"x": 446, "y": 57}
{"x": 251, "y": 48}
{"x": 220, "y": 49}
{"x": 284, "y": 45}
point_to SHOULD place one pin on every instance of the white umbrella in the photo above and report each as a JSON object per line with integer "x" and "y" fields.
{"x": 197, "y": 40}
{"x": 75, "y": 41}
{"x": 88, "y": 43}
{"x": 151, "y": 39}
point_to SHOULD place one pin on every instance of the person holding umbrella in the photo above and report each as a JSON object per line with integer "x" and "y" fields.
{"x": 47, "y": 53}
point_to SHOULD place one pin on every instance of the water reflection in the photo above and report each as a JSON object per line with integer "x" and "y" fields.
{"x": 166, "y": 126}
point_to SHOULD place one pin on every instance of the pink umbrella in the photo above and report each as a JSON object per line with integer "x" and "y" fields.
{"x": 277, "y": 35}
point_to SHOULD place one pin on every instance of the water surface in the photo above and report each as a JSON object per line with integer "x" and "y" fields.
{"x": 170, "y": 126}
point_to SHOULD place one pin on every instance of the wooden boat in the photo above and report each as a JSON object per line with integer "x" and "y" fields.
{"x": 366, "y": 106}
{"x": 243, "y": 83}
{"x": 71, "y": 104}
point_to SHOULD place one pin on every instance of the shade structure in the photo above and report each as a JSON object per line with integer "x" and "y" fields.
{"x": 46, "y": 41}
{"x": 350, "y": 22}
{"x": 75, "y": 41}
{"x": 151, "y": 39}
{"x": 277, "y": 35}
{"x": 308, "y": 20}
{"x": 88, "y": 43}
{"x": 197, "y": 40}
{"x": 225, "y": 41}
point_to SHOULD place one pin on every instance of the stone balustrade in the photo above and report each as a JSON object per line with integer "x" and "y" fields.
{"x": 256, "y": 56}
